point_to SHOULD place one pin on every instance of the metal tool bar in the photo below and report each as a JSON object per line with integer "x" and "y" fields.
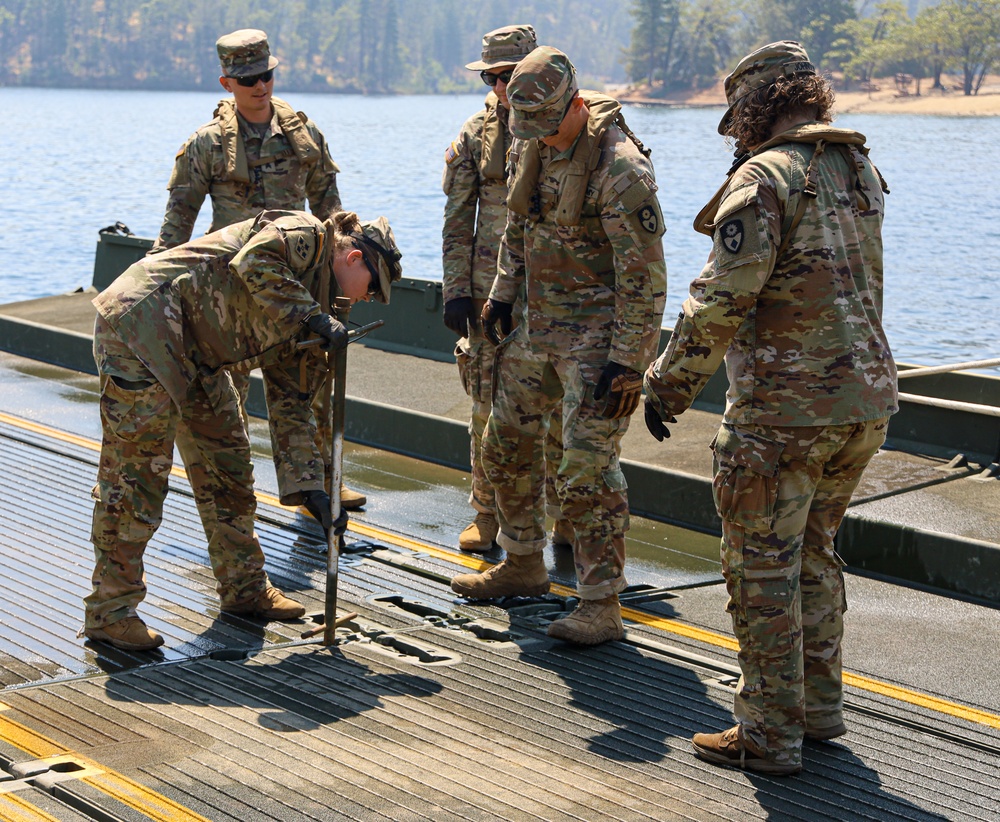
{"x": 952, "y": 405}
{"x": 944, "y": 369}
{"x": 352, "y": 336}
{"x": 337, "y": 370}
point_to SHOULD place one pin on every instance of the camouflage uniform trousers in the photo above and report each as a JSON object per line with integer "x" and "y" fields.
{"x": 781, "y": 493}
{"x": 136, "y": 458}
{"x": 295, "y": 461}
{"x": 476, "y": 356}
{"x": 591, "y": 488}
{"x": 199, "y": 475}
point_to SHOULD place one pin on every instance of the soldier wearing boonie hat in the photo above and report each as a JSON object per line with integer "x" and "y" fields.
{"x": 504, "y": 46}
{"x": 257, "y": 153}
{"x": 583, "y": 242}
{"x": 475, "y": 185}
{"x": 790, "y": 300}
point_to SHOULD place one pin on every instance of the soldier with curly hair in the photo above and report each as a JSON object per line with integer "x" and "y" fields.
{"x": 791, "y": 299}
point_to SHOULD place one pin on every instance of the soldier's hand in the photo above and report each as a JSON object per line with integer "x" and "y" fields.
{"x": 493, "y": 312}
{"x": 340, "y": 523}
{"x": 460, "y": 316}
{"x": 654, "y": 424}
{"x": 317, "y": 503}
{"x": 332, "y": 331}
{"x": 622, "y": 387}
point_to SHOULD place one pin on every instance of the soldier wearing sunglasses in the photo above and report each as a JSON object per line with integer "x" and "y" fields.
{"x": 257, "y": 153}
{"x": 475, "y": 183}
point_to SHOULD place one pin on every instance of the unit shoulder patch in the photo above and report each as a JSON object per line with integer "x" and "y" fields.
{"x": 648, "y": 218}
{"x": 731, "y": 234}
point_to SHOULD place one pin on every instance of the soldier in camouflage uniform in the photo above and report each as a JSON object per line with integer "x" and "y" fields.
{"x": 257, "y": 153}
{"x": 475, "y": 184}
{"x": 583, "y": 238}
{"x": 791, "y": 298}
{"x": 166, "y": 330}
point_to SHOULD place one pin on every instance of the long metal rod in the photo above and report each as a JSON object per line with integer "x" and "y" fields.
{"x": 944, "y": 369}
{"x": 337, "y": 368}
{"x": 952, "y": 405}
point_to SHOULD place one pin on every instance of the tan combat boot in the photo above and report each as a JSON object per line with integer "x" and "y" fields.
{"x": 519, "y": 575}
{"x": 562, "y": 534}
{"x": 268, "y": 604}
{"x": 732, "y": 749}
{"x": 592, "y": 622}
{"x": 129, "y": 634}
{"x": 478, "y": 536}
{"x": 351, "y": 500}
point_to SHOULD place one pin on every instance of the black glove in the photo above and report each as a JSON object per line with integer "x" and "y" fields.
{"x": 654, "y": 424}
{"x": 623, "y": 387}
{"x": 317, "y": 503}
{"x": 460, "y": 316}
{"x": 493, "y": 311}
{"x": 331, "y": 330}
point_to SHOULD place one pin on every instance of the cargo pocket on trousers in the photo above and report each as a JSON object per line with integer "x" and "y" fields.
{"x": 765, "y": 604}
{"x": 745, "y": 486}
{"x": 463, "y": 357}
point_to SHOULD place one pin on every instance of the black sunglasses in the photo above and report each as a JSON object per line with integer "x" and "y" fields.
{"x": 251, "y": 81}
{"x": 375, "y": 284}
{"x": 491, "y": 79}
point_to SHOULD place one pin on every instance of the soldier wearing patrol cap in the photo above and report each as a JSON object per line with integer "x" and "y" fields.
{"x": 244, "y": 295}
{"x": 791, "y": 299}
{"x": 475, "y": 185}
{"x": 583, "y": 239}
{"x": 257, "y": 153}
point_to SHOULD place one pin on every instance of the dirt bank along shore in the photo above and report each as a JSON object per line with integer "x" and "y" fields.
{"x": 885, "y": 97}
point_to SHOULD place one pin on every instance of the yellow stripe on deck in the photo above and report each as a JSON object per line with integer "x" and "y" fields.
{"x": 118, "y": 786}
{"x": 14, "y": 808}
{"x": 670, "y": 626}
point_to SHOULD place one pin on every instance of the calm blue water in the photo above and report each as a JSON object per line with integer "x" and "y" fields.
{"x": 76, "y": 161}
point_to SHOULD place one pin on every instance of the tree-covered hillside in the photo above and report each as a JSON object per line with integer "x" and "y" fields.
{"x": 370, "y": 46}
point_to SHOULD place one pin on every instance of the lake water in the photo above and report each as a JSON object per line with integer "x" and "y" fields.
{"x": 81, "y": 160}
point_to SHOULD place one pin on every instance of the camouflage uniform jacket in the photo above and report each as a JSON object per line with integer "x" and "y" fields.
{"x": 594, "y": 272}
{"x": 475, "y": 213}
{"x": 245, "y": 173}
{"x": 802, "y": 333}
{"x": 236, "y": 297}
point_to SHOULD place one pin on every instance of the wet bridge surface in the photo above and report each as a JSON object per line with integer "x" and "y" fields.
{"x": 429, "y": 707}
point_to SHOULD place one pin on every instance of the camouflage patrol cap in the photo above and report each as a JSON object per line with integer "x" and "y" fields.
{"x": 245, "y": 53}
{"x": 382, "y": 255}
{"x": 539, "y": 91}
{"x": 505, "y": 46}
{"x": 785, "y": 58}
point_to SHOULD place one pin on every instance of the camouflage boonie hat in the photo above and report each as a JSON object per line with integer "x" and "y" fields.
{"x": 539, "y": 91}
{"x": 785, "y": 58}
{"x": 378, "y": 245}
{"x": 505, "y": 46}
{"x": 244, "y": 53}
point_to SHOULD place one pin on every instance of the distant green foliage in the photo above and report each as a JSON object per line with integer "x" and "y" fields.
{"x": 367, "y": 46}
{"x": 688, "y": 44}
